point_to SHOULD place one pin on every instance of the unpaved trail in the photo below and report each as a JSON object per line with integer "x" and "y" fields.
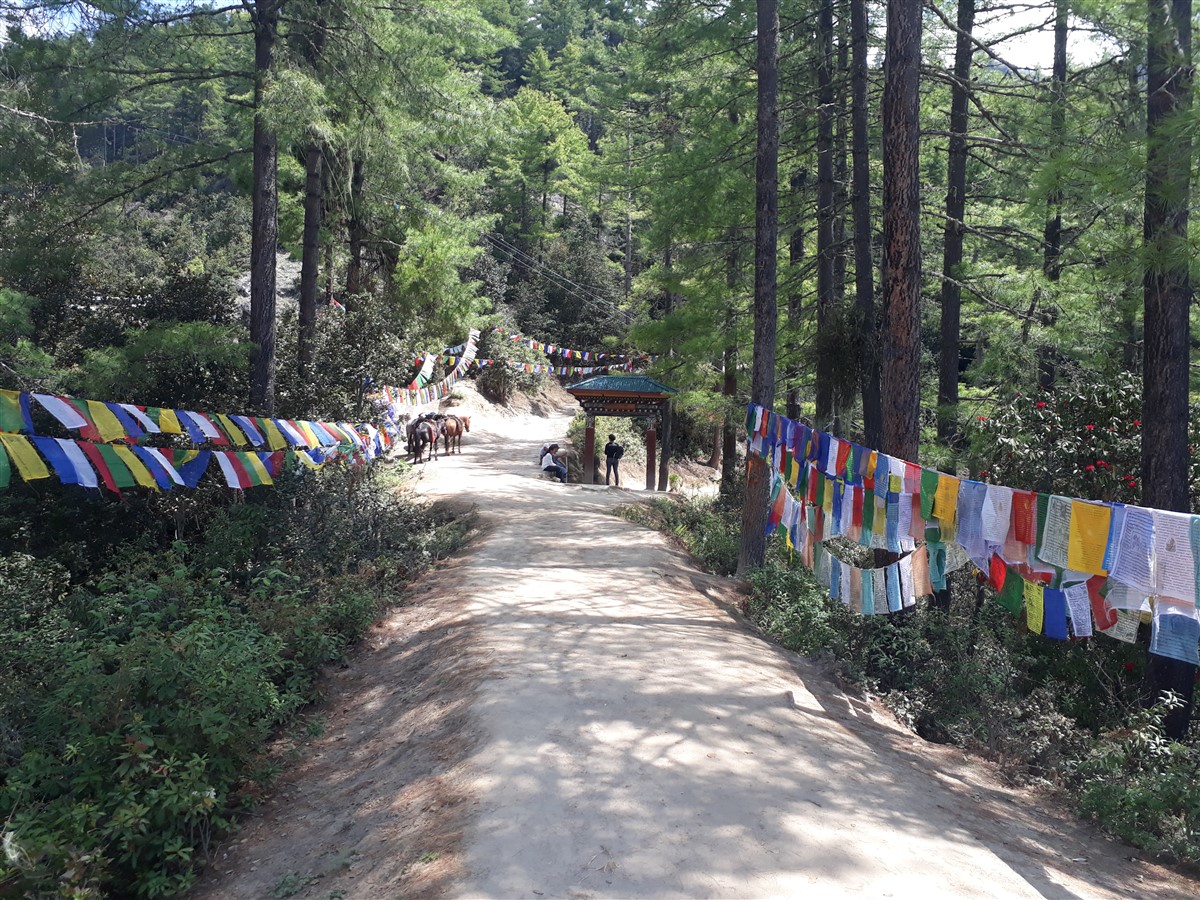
{"x": 573, "y": 709}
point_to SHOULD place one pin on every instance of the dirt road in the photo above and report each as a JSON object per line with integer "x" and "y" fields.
{"x": 574, "y": 710}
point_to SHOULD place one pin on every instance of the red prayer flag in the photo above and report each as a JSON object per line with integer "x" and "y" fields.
{"x": 1024, "y": 516}
{"x": 998, "y": 570}
{"x": 1105, "y": 615}
{"x": 93, "y": 454}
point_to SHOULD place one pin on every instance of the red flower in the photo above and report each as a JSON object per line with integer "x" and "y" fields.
{"x": 1041, "y": 403}
{"x": 1137, "y": 423}
{"x": 1090, "y": 427}
{"x": 1101, "y": 464}
{"x": 984, "y": 474}
{"x": 1089, "y": 468}
{"x": 982, "y": 418}
{"x": 1128, "y": 667}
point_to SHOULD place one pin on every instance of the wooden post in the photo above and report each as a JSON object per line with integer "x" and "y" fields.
{"x": 651, "y": 453}
{"x": 589, "y": 449}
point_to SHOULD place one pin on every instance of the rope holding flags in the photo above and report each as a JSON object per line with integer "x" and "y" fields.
{"x": 1073, "y": 566}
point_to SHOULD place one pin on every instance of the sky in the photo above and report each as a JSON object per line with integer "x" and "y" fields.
{"x": 1036, "y": 49}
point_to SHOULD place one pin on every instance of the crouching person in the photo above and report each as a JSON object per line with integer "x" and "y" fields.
{"x": 552, "y": 462}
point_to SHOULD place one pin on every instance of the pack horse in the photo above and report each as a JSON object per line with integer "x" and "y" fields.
{"x": 424, "y": 433}
{"x": 452, "y": 432}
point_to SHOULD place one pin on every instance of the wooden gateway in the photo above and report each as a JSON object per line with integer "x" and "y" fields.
{"x": 622, "y": 396}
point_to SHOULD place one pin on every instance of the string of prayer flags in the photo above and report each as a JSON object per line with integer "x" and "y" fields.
{"x": 1073, "y": 566}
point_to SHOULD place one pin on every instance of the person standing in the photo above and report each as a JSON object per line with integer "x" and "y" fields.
{"x": 612, "y": 457}
{"x": 552, "y": 463}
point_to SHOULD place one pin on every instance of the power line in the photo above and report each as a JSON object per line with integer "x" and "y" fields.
{"x": 560, "y": 281}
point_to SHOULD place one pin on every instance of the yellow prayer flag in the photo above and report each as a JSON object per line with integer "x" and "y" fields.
{"x": 945, "y": 501}
{"x": 871, "y": 461}
{"x": 252, "y": 460}
{"x": 20, "y": 450}
{"x": 235, "y": 434}
{"x": 827, "y": 500}
{"x": 275, "y": 439}
{"x": 136, "y": 467}
{"x": 11, "y": 416}
{"x": 1034, "y": 605}
{"x": 168, "y": 422}
{"x": 307, "y": 461}
{"x": 107, "y": 424}
{"x": 310, "y": 434}
{"x": 1088, "y": 537}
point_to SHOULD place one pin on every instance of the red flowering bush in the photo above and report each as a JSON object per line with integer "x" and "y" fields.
{"x": 1080, "y": 440}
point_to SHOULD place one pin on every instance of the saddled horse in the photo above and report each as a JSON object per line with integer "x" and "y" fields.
{"x": 452, "y": 431}
{"x": 424, "y": 434}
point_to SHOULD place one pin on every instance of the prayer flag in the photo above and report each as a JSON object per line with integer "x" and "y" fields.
{"x": 29, "y": 465}
{"x": 92, "y": 452}
{"x": 1105, "y": 615}
{"x": 108, "y": 425}
{"x": 1176, "y": 633}
{"x": 945, "y": 501}
{"x": 1034, "y": 606}
{"x": 66, "y": 414}
{"x": 12, "y": 420}
{"x": 70, "y": 467}
{"x": 136, "y": 467}
{"x": 1054, "y": 604}
{"x": 1012, "y": 595}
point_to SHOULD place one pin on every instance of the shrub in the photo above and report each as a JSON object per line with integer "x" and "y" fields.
{"x": 1145, "y": 788}
{"x": 171, "y": 666}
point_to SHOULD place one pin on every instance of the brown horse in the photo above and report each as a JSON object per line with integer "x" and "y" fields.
{"x": 452, "y": 431}
{"x": 425, "y": 434}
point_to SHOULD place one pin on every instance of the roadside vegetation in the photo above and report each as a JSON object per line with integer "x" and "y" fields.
{"x": 150, "y": 652}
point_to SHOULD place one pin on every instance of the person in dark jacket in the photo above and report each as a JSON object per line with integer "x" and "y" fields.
{"x": 612, "y": 457}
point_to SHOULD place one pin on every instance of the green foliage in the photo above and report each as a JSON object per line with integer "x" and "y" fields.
{"x": 138, "y": 699}
{"x": 1083, "y": 439}
{"x": 704, "y": 526}
{"x": 502, "y": 379}
{"x": 1145, "y": 788}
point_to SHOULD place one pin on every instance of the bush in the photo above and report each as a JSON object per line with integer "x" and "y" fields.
{"x": 1145, "y": 788}
{"x": 172, "y": 665}
{"x": 701, "y": 524}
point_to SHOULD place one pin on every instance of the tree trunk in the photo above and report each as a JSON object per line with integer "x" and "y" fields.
{"x": 628, "y": 215}
{"x": 825, "y": 215}
{"x": 902, "y": 232}
{"x": 264, "y": 220}
{"x": 952, "y": 235}
{"x": 729, "y": 473}
{"x": 1052, "y": 233}
{"x": 311, "y": 259}
{"x": 1167, "y": 292}
{"x": 864, "y": 273}
{"x": 357, "y": 228}
{"x": 795, "y": 307}
{"x": 766, "y": 228}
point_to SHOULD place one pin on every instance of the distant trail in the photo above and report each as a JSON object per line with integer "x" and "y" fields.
{"x": 573, "y": 710}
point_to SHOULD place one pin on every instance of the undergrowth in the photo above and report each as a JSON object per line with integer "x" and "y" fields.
{"x": 140, "y": 691}
{"x": 1066, "y": 715}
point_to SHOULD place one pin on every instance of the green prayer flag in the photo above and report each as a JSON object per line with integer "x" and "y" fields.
{"x": 1013, "y": 594}
{"x": 121, "y": 475}
{"x": 929, "y": 485}
{"x": 5, "y": 468}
